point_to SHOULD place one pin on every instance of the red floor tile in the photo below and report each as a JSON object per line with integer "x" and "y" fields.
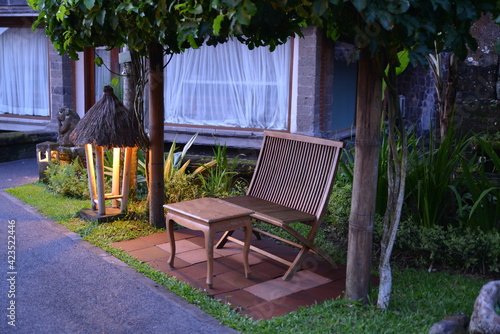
{"x": 264, "y": 294}
{"x": 149, "y": 254}
{"x": 155, "y": 239}
{"x": 195, "y": 255}
{"x": 181, "y": 246}
{"x": 186, "y": 234}
{"x": 270, "y": 269}
{"x": 218, "y": 286}
{"x": 266, "y": 310}
{"x": 239, "y": 299}
{"x": 219, "y": 268}
{"x": 132, "y": 245}
{"x": 237, "y": 278}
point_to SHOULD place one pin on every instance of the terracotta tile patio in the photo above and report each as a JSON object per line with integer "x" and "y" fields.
{"x": 264, "y": 294}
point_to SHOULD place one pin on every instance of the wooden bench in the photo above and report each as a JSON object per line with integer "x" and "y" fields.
{"x": 291, "y": 183}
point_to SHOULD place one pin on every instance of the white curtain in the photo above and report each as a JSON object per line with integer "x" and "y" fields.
{"x": 24, "y": 73}
{"x": 229, "y": 85}
{"x": 102, "y": 73}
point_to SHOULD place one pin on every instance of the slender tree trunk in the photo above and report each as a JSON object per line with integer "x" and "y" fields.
{"x": 396, "y": 170}
{"x": 156, "y": 119}
{"x": 129, "y": 85}
{"x": 449, "y": 96}
{"x": 368, "y": 116}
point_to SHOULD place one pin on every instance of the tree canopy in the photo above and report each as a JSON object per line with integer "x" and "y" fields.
{"x": 382, "y": 25}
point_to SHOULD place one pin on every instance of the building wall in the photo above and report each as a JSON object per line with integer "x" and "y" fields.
{"x": 15, "y": 13}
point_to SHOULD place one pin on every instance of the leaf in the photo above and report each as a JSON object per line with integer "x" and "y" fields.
{"x": 478, "y": 202}
{"x": 217, "y": 24}
{"x": 386, "y": 19}
{"x": 192, "y": 42}
{"x": 398, "y": 6}
{"x": 98, "y": 61}
{"x": 101, "y": 16}
{"x": 404, "y": 61}
{"x": 320, "y": 7}
{"x": 89, "y": 3}
{"x": 115, "y": 81}
{"x": 61, "y": 13}
{"x": 359, "y": 4}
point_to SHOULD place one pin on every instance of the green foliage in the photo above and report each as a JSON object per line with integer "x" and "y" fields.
{"x": 378, "y": 25}
{"x": 72, "y": 25}
{"x": 180, "y": 188}
{"x": 68, "y": 179}
{"x": 445, "y": 185}
{"x": 478, "y": 192}
{"x": 410, "y": 25}
{"x": 430, "y": 175}
{"x": 467, "y": 250}
{"x": 220, "y": 179}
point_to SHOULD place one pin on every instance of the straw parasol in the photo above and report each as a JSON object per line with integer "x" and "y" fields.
{"x": 108, "y": 124}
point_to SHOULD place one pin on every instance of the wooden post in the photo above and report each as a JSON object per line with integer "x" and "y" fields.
{"x": 115, "y": 181}
{"x": 99, "y": 166}
{"x": 156, "y": 119}
{"x": 364, "y": 191}
{"x": 91, "y": 174}
{"x": 127, "y": 162}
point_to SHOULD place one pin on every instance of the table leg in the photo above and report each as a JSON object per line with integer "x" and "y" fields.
{"x": 209, "y": 247}
{"x": 170, "y": 229}
{"x": 246, "y": 247}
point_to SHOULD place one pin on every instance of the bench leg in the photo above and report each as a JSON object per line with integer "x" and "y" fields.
{"x": 307, "y": 245}
{"x": 223, "y": 239}
{"x": 170, "y": 229}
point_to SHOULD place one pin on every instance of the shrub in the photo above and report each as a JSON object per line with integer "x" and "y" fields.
{"x": 69, "y": 180}
{"x": 181, "y": 187}
{"x": 450, "y": 247}
{"x": 467, "y": 250}
{"x": 220, "y": 179}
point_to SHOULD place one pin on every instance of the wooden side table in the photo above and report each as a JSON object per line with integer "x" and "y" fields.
{"x": 210, "y": 215}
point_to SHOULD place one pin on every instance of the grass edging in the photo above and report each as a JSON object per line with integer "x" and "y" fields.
{"x": 419, "y": 298}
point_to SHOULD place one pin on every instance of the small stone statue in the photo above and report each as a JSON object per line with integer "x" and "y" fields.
{"x": 66, "y": 119}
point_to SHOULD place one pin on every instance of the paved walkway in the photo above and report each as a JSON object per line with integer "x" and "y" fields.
{"x": 61, "y": 284}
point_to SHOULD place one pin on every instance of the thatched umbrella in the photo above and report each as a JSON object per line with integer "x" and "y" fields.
{"x": 108, "y": 124}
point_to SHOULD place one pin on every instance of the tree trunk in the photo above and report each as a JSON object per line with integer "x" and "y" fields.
{"x": 450, "y": 94}
{"x": 396, "y": 176}
{"x": 368, "y": 116}
{"x": 156, "y": 119}
{"x": 129, "y": 85}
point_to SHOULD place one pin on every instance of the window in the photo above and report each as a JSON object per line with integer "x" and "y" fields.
{"x": 229, "y": 86}
{"x": 24, "y": 76}
{"x": 105, "y": 73}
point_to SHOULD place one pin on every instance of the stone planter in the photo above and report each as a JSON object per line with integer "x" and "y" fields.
{"x": 484, "y": 319}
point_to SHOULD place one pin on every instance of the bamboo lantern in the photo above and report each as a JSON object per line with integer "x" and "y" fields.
{"x": 108, "y": 125}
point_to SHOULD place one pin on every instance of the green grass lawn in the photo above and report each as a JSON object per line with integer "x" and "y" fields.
{"x": 419, "y": 298}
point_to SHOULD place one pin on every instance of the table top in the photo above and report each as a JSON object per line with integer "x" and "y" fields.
{"x": 208, "y": 209}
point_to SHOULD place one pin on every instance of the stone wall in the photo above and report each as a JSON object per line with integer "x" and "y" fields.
{"x": 314, "y": 84}
{"x": 61, "y": 84}
{"x": 478, "y": 88}
{"x": 417, "y": 87}
{"x": 478, "y": 91}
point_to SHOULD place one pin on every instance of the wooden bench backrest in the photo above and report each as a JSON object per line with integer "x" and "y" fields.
{"x": 296, "y": 171}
